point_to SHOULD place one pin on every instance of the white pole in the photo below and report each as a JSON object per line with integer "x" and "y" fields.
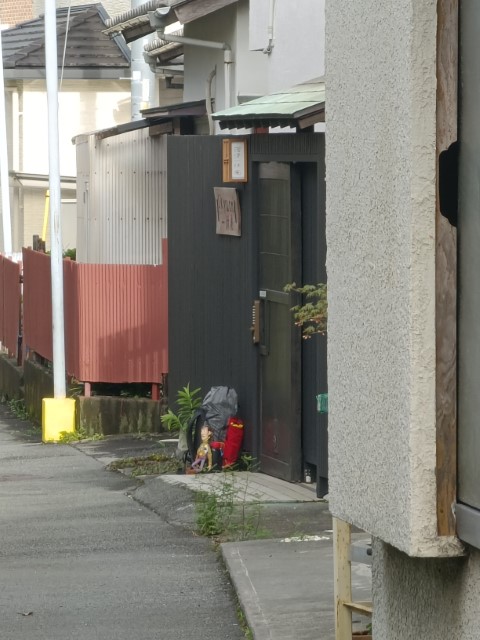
{"x": 4, "y": 179}
{"x": 59, "y": 387}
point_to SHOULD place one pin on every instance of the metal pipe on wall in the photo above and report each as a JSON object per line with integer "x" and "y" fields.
{"x": 156, "y": 20}
{"x": 142, "y": 79}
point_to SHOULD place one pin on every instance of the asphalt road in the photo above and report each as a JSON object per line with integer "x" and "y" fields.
{"x": 81, "y": 559}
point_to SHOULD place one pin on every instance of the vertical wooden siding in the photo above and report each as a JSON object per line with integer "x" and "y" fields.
{"x": 116, "y": 318}
{"x": 10, "y": 296}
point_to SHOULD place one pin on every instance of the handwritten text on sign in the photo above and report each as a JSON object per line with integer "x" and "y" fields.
{"x": 227, "y": 206}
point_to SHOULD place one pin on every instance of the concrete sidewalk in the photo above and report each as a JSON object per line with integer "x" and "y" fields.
{"x": 285, "y": 587}
{"x": 285, "y": 583}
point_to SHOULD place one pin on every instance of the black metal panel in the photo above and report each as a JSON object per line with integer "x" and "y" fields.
{"x": 287, "y": 147}
{"x": 211, "y": 280}
{"x": 314, "y": 352}
{"x": 214, "y": 279}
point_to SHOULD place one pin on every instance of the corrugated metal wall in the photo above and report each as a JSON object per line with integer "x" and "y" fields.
{"x": 122, "y": 198}
{"x": 37, "y": 303}
{"x": 10, "y": 296}
{"x": 116, "y": 318}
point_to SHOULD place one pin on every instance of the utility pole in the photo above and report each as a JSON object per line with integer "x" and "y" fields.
{"x": 58, "y": 414}
{"x": 4, "y": 179}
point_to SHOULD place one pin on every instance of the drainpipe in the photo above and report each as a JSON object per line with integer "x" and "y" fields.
{"x": 157, "y": 21}
{"x": 208, "y": 94}
{"x": 271, "y": 17}
{"x": 142, "y": 79}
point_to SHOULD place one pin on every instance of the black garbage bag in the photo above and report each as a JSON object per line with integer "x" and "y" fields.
{"x": 220, "y": 404}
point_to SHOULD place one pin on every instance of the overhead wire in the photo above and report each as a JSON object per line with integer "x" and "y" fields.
{"x": 65, "y": 43}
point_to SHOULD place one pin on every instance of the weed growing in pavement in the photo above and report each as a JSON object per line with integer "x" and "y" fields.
{"x": 66, "y": 437}
{"x": 18, "y": 408}
{"x": 214, "y": 510}
{"x": 226, "y": 513}
{"x": 243, "y": 623}
{"x": 153, "y": 464}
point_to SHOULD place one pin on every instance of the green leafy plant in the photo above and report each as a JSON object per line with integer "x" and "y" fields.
{"x": 214, "y": 510}
{"x": 311, "y": 316}
{"x": 226, "y": 513}
{"x": 18, "y": 408}
{"x": 70, "y": 253}
{"x": 188, "y": 401}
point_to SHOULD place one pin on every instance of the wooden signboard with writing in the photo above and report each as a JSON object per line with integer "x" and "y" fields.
{"x": 228, "y": 214}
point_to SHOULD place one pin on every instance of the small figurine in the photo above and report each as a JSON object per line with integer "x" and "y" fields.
{"x": 204, "y": 451}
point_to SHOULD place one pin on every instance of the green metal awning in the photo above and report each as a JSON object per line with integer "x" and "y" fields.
{"x": 300, "y": 107}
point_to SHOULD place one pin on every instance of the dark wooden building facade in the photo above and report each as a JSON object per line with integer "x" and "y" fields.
{"x": 215, "y": 279}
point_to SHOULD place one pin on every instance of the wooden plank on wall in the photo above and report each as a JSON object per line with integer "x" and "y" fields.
{"x": 446, "y": 275}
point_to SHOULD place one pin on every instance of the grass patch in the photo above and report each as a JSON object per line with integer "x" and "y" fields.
{"x": 154, "y": 464}
{"x": 243, "y": 623}
{"x": 66, "y": 437}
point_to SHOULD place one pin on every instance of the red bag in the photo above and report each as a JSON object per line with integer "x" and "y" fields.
{"x": 233, "y": 441}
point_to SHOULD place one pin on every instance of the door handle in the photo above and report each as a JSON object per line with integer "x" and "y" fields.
{"x": 264, "y": 340}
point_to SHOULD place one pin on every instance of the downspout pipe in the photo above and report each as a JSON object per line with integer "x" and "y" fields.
{"x": 271, "y": 18}
{"x": 159, "y": 24}
{"x": 208, "y": 95}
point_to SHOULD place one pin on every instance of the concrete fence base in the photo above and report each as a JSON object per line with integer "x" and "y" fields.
{"x": 105, "y": 415}
{"x": 11, "y": 379}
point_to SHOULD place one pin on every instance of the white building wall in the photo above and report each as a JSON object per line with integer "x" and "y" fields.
{"x": 298, "y": 52}
{"x": 251, "y": 66}
{"x": 83, "y": 106}
{"x": 200, "y": 61}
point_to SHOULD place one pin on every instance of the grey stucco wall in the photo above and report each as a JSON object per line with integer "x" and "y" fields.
{"x": 425, "y": 598}
{"x": 381, "y": 85}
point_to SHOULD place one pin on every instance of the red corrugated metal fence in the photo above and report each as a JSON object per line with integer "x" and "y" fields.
{"x": 10, "y": 300}
{"x": 116, "y": 318}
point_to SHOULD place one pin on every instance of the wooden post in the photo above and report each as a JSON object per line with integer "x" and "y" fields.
{"x": 87, "y": 389}
{"x": 342, "y": 579}
{"x": 446, "y": 276}
{"x": 155, "y": 391}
